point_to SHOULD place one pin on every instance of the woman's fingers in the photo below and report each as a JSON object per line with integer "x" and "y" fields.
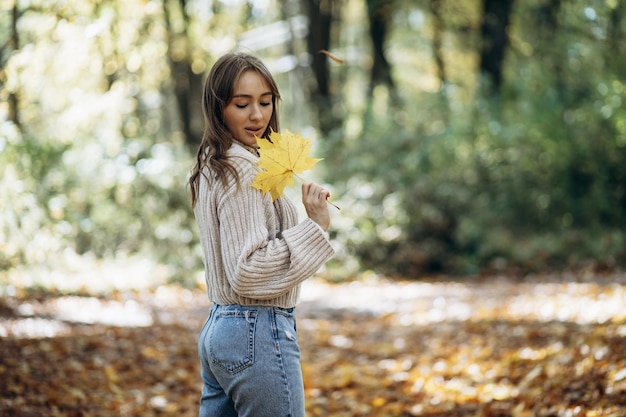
{"x": 314, "y": 199}
{"x": 315, "y": 190}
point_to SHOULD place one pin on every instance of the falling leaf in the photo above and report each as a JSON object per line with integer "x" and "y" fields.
{"x": 331, "y": 56}
{"x": 282, "y": 157}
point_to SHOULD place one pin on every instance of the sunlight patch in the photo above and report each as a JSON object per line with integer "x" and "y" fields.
{"x": 91, "y": 310}
{"x": 32, "y": 328}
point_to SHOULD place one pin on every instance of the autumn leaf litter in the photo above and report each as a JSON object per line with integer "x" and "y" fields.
{"x": 543, "y": 346}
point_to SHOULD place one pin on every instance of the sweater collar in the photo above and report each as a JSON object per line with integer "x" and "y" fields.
{"x": 253, "y": 149}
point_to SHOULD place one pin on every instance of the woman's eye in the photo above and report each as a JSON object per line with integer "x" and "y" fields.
{"x": 244, "y": 105}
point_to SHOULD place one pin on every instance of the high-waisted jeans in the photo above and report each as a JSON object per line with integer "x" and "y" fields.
{"x": 250, "y": 363}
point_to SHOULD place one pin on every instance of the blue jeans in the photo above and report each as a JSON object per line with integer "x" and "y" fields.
{"x": 250, "y": 363}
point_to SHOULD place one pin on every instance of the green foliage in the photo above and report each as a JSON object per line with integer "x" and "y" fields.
{"x": 452, "y": 180}
{"x": 521, "y": 190}
{"x": 56, "y": 207}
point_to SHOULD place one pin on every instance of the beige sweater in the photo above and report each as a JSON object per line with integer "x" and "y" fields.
{"x": 254, "y": 250}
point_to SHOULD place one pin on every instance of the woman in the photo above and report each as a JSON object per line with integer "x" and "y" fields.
{"x": 255, "y": 252}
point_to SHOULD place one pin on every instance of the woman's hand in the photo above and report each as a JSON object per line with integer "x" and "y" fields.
{"x": 314, "y": 199}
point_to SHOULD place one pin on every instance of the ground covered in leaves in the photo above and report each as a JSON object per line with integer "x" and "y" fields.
{"x": 552, "y": 345}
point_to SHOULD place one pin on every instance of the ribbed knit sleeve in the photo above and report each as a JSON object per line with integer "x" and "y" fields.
{"x": 254, "y": 249}
{"x": 257, "y": 264}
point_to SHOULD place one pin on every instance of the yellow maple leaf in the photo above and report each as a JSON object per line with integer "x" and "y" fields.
{"x": 286, "y": 156}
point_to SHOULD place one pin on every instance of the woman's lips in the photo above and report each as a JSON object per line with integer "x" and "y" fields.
{"x": 255, "y": 131}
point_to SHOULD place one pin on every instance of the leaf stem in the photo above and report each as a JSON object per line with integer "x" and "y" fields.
{"x": 334, "y": 205}
{"x": 328, "y": 201}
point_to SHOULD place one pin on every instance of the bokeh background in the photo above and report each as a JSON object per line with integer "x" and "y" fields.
{"x": 477, "y": 149}
{"x": 458, "y": 137}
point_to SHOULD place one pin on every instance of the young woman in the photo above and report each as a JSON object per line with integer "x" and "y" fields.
{"x": 256, "y": 253}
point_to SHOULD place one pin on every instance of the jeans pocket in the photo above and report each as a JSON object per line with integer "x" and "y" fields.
{"x": 232, "y": 340}
{"x": 286, "y": 323}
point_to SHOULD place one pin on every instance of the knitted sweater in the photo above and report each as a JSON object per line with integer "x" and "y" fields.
{"x": 254, "y": 250}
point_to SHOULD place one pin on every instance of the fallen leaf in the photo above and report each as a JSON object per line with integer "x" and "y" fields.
{"x": 111, "y": 374}
{"x": 369, "y": 348}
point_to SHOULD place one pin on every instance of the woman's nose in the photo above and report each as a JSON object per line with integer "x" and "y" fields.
{"x": 255, "y": 112}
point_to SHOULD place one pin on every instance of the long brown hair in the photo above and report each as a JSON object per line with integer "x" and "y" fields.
{"x": 216, "y": 139}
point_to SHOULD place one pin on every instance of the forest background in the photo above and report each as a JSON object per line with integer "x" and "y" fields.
{"x": 458, "y": 137}
{"x": 477, "y": 149}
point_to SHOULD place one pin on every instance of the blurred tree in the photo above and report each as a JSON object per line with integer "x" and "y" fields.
{"x": 187, "y": 83}
{"x": 379, "y": 13}
{"x": 9, "y": 46}
{"x": 437, "y": 42}
{"x": 320, "y": 14}
{"x": 616, "y": 32}
{"x": 550, "y": 53}
{"x": 494, "y": 41}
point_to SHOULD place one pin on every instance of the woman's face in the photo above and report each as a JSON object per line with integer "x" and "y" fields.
{"x": 248, "y": 112}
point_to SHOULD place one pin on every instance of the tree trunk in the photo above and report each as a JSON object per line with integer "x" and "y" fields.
{"x": 320, "y": 14}
{"x": 617, "y": 34}
{"x": 494, "y": 42}
{"x": 616, "y": 58}
{"x": 12, "y": 99}
{"x": 378, "y": 13}
{"x": 547, "y": 17}
{"x": 438, "y": 28}
{"x": 187, "y": 84}
{"x": 320, "y": 20}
